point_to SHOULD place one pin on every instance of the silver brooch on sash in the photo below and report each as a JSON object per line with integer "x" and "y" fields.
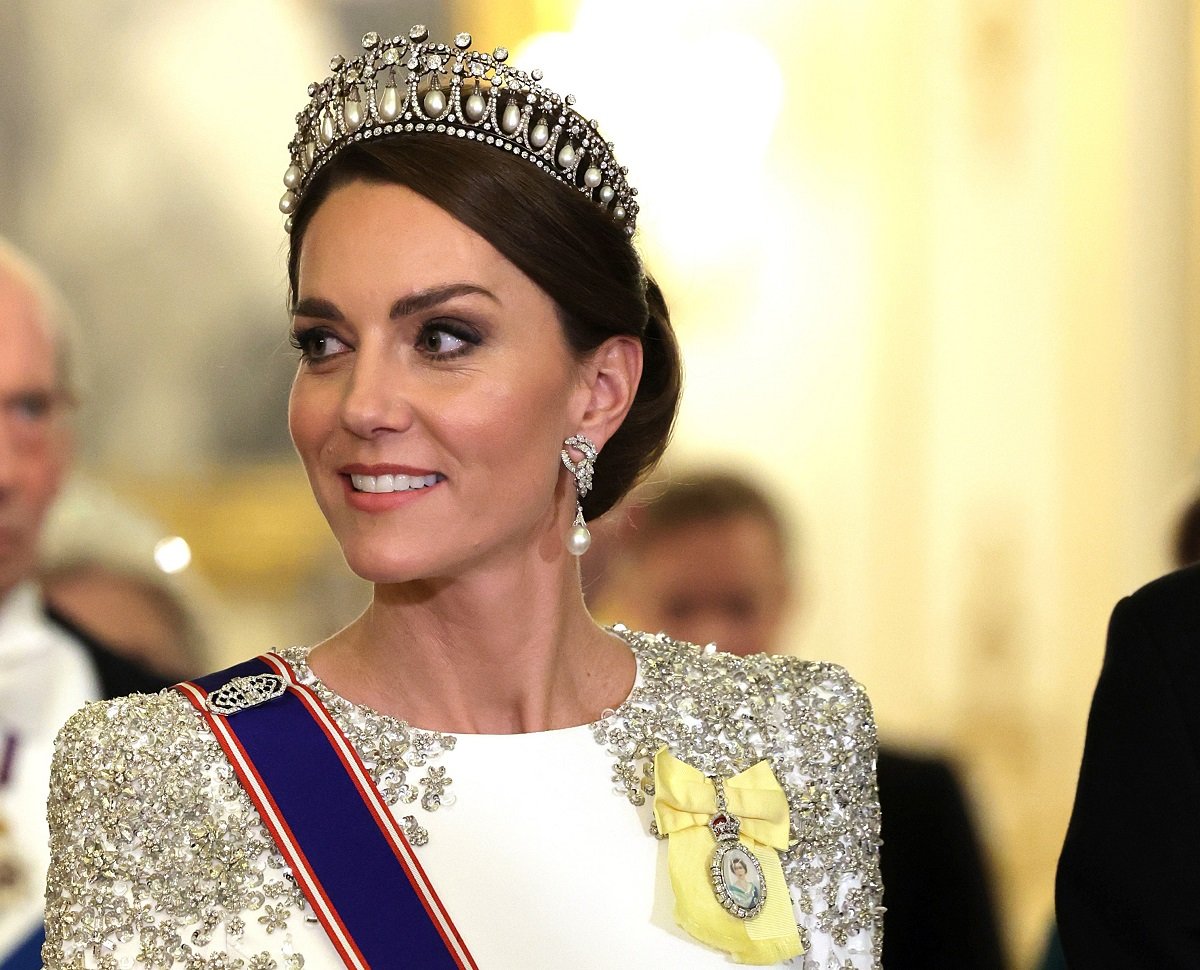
{"x": 737, "y": 875}
{"x": 242, "y": 693}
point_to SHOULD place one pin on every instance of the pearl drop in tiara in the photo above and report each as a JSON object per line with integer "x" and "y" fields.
{"x": 407, "y": 85}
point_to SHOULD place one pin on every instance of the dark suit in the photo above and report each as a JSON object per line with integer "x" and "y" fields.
{"x": 1128, "y": 892}
{"x": 940, "y": 912}
{"x": 117, "y": 675}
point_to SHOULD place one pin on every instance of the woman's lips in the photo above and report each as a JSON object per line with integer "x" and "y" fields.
{"x": 378, "y": 488}
{"x": 392, "y": 483}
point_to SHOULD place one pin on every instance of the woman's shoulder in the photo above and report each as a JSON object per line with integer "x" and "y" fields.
{"x": 143, "y": 721}
{"x": 143, "y": 810}
{"x": 779, "y": 678}
{"x": 142, "y": 756}
{"x": 139, "y": 754}
{"x": 808, "y": 714}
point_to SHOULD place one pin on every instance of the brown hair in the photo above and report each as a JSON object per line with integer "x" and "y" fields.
{"x": 698, "y": 498}
{"x": 561, "y": 240}
{"x": 1187, "y": 535}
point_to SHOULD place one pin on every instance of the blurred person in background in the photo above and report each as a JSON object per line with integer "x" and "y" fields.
{"x": 137, "y": 613}
{"x": 47, "y": 668}
{"x": 708, "y": 558}
{"x": 1128, "y": 886}
{"x": 1185, "y": 544}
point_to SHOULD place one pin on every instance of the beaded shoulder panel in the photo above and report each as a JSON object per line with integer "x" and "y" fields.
{"x": 161, "y": 861}
{"x": 722, "y": 713}
{"x": 158, "y": 851}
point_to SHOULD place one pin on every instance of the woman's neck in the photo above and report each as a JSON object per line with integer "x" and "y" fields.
{"x": 511, "y": 652}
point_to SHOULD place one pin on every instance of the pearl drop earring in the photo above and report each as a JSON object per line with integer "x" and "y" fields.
{"x": 579, "y": 538}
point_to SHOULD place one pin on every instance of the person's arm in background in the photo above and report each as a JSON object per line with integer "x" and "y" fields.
{"x": 1128, "y": 889}
{"x": 936, "y": 885}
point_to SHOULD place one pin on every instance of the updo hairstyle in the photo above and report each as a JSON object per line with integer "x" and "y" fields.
{"x": 567, "y": 244}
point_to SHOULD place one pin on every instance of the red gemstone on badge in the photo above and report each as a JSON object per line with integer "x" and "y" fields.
{"x": 724, "y": 826}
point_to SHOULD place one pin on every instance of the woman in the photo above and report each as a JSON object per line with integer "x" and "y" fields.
{"x": 743, "y": 892}
{"x": 483, "y": 368}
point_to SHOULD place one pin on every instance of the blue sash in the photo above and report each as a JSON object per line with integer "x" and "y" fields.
{"x": 327, "y": 818}
{"x": 28, "y": 954}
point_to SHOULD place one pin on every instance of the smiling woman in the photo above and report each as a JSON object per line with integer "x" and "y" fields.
{"x": 483, "y": 367}
{"x": 428, "y": 354}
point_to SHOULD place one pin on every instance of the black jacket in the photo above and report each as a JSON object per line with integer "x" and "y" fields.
{"x": 117, "y": 675}
{"x": 940, "y": 912}
{"x": 1128, "y": 890}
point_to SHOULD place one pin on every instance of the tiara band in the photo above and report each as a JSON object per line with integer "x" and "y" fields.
{"x": 407, "y": 85}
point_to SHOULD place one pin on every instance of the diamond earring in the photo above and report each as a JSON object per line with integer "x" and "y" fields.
{"x": 579, "y": 538}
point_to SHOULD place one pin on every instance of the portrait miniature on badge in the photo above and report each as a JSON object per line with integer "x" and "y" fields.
{"x": 737, "y": 876}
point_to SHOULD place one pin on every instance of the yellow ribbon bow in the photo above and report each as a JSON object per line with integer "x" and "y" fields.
{"x": 684, "y": 802}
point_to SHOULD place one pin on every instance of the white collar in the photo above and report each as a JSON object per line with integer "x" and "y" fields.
{"x": 23, "y": 622}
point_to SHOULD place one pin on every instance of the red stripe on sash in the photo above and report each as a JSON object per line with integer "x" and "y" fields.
{"x": 379, "y": 811}
{"x": 255, "y": 786}
{"x": 280, "y": 831}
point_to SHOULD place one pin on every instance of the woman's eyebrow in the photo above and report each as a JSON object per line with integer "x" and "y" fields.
{"x": 424, "y": 299}
{"x": 317, "y": 308}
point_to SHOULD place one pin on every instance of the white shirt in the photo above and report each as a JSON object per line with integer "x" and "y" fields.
{"x": 45, "y": 676}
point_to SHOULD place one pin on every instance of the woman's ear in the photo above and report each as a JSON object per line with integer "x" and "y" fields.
{"x": 608, "y": 383}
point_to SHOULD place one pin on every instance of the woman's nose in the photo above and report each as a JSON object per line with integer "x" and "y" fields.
{"x": 377, "y": 398}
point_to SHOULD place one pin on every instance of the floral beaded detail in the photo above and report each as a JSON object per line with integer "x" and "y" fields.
{"x": 161, "y": 861}
{"x": 159, "y": 852}
{"x": 392, "y": 751}
{"x": 721, "y": 714}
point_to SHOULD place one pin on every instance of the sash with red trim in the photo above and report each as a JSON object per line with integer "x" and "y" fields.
{"x": 331, "y": 825}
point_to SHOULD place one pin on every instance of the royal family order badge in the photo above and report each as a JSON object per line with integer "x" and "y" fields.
{"x": 737, "y": 875}
{"x": 741, "y": 903}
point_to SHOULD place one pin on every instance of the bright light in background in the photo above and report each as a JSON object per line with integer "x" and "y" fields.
{"x": 754, "y": 243}
{"x": 231, "y": 48}
{"x": 696, "y": 144}
{"x": 172, "y": 554}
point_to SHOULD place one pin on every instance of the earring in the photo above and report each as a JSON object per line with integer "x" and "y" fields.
{"x": 579, "y": 538}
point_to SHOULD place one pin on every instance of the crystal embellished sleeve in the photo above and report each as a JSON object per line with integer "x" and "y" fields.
{"x": 722, "y": 714}
{"x": 157, "y": 858}
{"x": 828, "y": 769}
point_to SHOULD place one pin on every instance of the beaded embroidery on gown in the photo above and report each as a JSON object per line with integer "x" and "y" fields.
{"x": 160, "y": 860}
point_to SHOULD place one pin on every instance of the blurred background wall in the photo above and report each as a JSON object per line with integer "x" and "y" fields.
{"x": 933, "y": 262}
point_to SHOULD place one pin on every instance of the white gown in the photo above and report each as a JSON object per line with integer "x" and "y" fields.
{"x": 539, "y": 859}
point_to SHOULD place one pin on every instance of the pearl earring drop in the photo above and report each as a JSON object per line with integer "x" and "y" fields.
{"x": 579, "y": 538}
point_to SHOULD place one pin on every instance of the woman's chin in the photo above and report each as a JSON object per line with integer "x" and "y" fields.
{"x": 384, "y": 569}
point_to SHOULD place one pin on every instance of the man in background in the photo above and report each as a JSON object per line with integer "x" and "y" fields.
{"x": 47, "y": 670}
{"x": 708, "y": 559}
{"x": 134, "y": 611}
{"x": 1127, "y": 889}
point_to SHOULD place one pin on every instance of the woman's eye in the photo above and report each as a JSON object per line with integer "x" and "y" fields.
{"x": 317, "y": 344}
{"x": 444, "y": 340}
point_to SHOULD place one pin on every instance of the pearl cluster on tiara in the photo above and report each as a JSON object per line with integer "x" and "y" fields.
{"x": 407, "y": 85}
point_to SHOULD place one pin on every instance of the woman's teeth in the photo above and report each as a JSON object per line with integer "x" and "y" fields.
{"x": 391, "y": 483}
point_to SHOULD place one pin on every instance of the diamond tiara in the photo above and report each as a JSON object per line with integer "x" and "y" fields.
{"x": 407, "y": 85}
